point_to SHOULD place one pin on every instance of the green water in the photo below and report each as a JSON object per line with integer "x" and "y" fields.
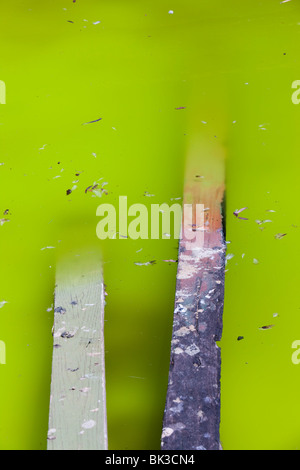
{"x": 231, "y": 65}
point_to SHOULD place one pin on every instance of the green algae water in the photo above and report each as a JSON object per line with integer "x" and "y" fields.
{"x": 91, "y": 95}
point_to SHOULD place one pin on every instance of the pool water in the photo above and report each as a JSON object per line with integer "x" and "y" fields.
{"x": 230, "y": 67}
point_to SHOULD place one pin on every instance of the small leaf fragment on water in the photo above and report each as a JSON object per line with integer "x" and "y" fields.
{"x": 148, "y": 263}
{"x": 280, "y": 235}
{"x": 238, "y": 211}
{"x": 3, "y": 221}
{"x": 266, "y": 327}
{"x": 259, "y": 222}
{"x": 229, "y": 256}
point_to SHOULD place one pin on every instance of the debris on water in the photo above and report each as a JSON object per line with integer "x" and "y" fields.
{"x": 3, "y": 221}
{"x": 255, "y": 261}
{"x": 270, "y": 210}
{"x": 238, "y": 211}
{"x": 68, "y": 192}
{"x": 96, "y": 189}
{"x": 266, "y": 327}
{"x": 239, "y": 338}
{"x": 148, "y": 263}
{"x": 91, "y": 122}
{"x": 147, "y": 194}
{"x": 3, "y": 303}
{"x": 181, "y": 107}
{"x": 260, "y": 222}
{"x": 48, "y": 248}
{"x": 229, "y": 256}
{"x": 69, "y": 21}
{"x": 170, "y": 260}
{"x": 278, "y": 236}
{"x": 97, "y": 22}
{"x": 170, "y": 12}
{"x": 275, "y": 315}
{"x": 199, "y": 176}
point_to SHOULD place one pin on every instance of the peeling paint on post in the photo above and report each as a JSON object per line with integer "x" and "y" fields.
{"x": 77, "y": 419}
{"x": 192, "y": 412}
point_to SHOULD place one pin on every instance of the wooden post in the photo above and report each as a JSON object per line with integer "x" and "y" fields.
{"x": 192, "y": 412}
{"x": 77, "y": 418}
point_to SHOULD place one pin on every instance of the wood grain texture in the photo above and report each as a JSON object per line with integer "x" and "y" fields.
{"x": 192, "y": 411}
{"x": 77, "y": 419}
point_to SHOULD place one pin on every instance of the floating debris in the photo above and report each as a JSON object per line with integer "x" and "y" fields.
{"x": 266, "y": 327}
{"x": 255, "y": 261}
{"x": 3, "y": 303}
{"x": 48, "y": 248}
{"x": 181, "y": 107}
{"x": 148, "y": 263}
{"x": 147, "y": 194}
{"x": 170, "y": 260}
{"x": 260, "y": 222}
{"x": 91, "y": 122}
{"x": 238, "y": 211}
{"x": 239, "y": 338}
{"x": 69, "y": 191}
{"x": 278, "y": 236}
{"x": 229, "y": 256}
{"x": 3, "y": 221}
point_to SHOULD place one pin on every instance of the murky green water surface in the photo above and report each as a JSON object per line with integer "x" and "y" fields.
{"x": 230, "y": 65}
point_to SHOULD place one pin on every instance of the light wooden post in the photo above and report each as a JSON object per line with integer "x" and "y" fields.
{"x": 77, "y": 419}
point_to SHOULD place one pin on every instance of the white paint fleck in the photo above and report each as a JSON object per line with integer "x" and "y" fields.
{"x": 182, "y": 331}
{"x": 166, "y": 432}
{"x": 89, "y": 424}
{"x": 192, "y": 350}
{"x": 178, "y": 351}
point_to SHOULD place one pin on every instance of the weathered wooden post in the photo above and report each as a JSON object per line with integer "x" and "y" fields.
{"x": 77, "y": 418}
{"x": 192, "y": 412}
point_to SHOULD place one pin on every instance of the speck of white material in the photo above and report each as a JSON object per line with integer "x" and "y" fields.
{"x": 178, "y": 351}
{"x": 3, "y": 303}
{"x": 275, "y": 315}
{"x": 229, "y": 256}
{"x": 170, "y": 12}
{"x": 243, "y": 255}
{"x": 192, "y": 350}
{"x": 182, "y": 331}
{"x": 94, "y": 154}
{"x": 204, "y": 122}
{"x": 89, "y": 424}
{"x": 166, "y": 432}
{"x": 95, "y": 410}
{"x": 48, "y": 248}
{"x": 97, "y": 22}
{"x": 255, "y": 261}
{"x": 51, "y": 431}
{"x": 285, "y": 1}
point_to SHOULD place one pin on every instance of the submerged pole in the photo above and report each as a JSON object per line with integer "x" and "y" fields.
{"x": 192, "y": 411}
